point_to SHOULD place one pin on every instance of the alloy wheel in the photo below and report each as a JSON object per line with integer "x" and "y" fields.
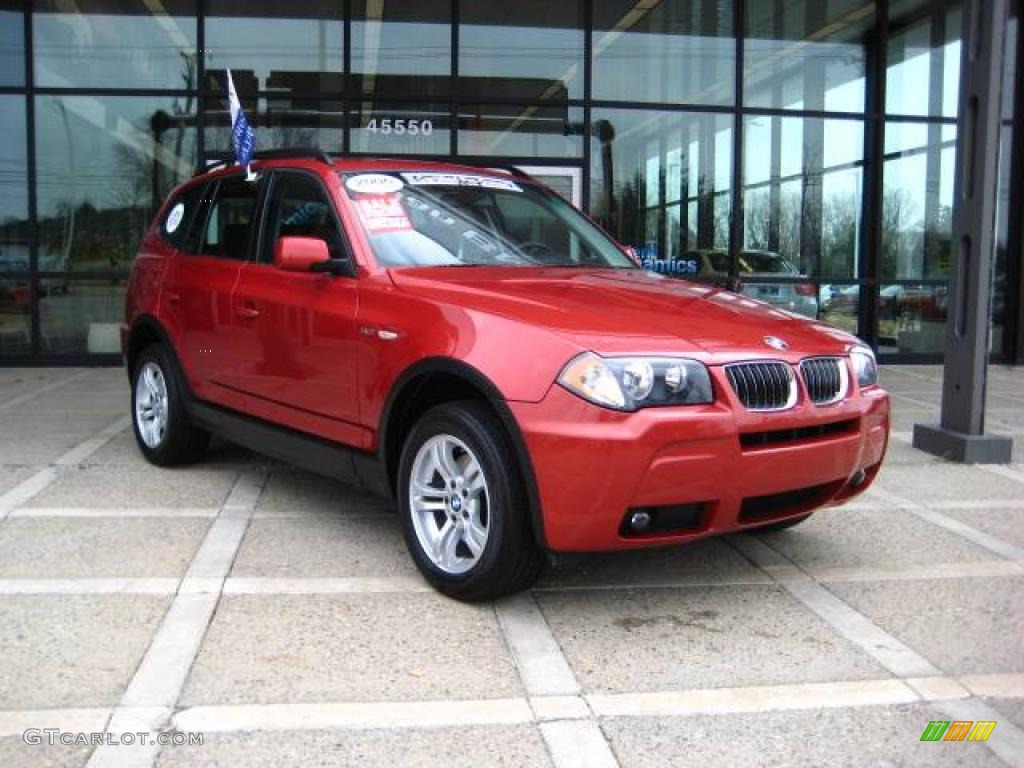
{"x": 151, "y": 414}
{"x": 449, "y": 502}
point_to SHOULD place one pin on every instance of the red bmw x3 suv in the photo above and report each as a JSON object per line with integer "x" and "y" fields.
{"x": 466, "y": 341}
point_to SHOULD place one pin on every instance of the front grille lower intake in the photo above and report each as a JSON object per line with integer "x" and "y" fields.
{"x": 826, "y": 379}
{"x": 752, "y": 441}
{"x": 763, "y": 386}
{"x": 755, "y": 509}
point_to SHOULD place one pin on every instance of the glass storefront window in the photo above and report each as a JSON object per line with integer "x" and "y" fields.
{"x": 534, "y": 131}
{"x": 83, "y": 318}
{"x": 838, "y": 305}
{"x": 508, "y": 84}
{"x": 807, "y": 55}
{"x": 802, "y": 183}
{"x": 528, "y": 49}
{"x": 923, "y": 70}
{"x": 15, "y": 315}
{"x": 15, "y": 295}
{"x": 279, "y": 122}
{"x": 120, "y": 43}
{"x": 12, "y": 43}
{"x": 917, "y": 206}
{"x": 14, "y": 229}
{"x": 402, "y": 50}
{"x": 677, "y": 51}
{"x": 396, "y": 128}
{"x": 660, "y": 182}
{"x": 912, "y": 317}
{"x": 1003, "y": 260}
{"x": 917, "y": 200}
{"x": 104, "y": 163}
{"x": 294, "y": 48}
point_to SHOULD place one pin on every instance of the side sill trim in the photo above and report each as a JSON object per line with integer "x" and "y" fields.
{"x": 324, "y": 457}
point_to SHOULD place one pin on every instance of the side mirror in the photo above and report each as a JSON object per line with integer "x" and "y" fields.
{"x": 300, "y": 254}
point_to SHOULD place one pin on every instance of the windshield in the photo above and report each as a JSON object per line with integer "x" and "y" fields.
{"x": 421, "y": 219}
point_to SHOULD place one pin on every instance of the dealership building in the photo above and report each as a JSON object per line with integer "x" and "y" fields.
{"x": 805, "y": 148}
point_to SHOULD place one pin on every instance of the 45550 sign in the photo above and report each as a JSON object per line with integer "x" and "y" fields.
{"x": 399, "y": 126}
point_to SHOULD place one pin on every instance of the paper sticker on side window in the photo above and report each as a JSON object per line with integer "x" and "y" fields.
{"x": 459, "y": 180}
{"x": 174, "y": 218}
{"x": 382, "y": 214}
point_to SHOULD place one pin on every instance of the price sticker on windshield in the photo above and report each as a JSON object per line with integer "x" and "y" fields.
{"x": 383, "y": 214}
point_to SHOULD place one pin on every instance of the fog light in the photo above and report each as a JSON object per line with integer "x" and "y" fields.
{"x": 640, "y": 521}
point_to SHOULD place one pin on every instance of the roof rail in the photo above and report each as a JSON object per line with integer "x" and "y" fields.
{"x": 267, "y": 154}
{"x": 517, "y": 171}
{"x": 212, "y": 166}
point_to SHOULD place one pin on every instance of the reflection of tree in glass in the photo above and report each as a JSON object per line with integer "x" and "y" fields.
{"x": 624, "y": 212}
{"x": 270, "y": 136}
{"x": 833, "y": 225}
{"x": 910, "y": 248}
{"x": 148, "y": 163}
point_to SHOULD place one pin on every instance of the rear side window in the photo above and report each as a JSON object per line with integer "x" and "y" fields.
{"x": 227, "y": 233}
{"x": 181, "y": 214}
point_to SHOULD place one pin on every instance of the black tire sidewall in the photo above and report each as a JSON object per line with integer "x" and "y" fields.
{"x": 504, "y": 491}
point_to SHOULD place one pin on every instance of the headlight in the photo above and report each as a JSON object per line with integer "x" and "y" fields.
{"x": 630, "y": 383}
{"x": 864, "y": 366}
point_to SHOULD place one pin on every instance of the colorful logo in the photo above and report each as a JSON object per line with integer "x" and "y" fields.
{"x": 958, "y": 730}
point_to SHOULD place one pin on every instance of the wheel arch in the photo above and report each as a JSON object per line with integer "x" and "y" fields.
{"x": 438, "y": 380}
{"x": 148, "y": 330}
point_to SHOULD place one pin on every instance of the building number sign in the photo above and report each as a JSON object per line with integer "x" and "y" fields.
{"x": 398, "y": 126}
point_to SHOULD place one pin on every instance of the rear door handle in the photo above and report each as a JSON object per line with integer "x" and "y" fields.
{"x": 173, "y": 296}
{"x": 248, "y": 312}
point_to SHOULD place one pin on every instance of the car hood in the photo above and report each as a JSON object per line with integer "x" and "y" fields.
{"x": 621, "y": 311}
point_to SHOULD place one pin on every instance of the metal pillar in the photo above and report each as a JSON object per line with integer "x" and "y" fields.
{"x": 961, "y": 434}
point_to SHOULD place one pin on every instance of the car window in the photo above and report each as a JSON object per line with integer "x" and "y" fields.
{"x": 299, "y": 207}
{"x": 766, "y": 262}
{"x": 181, "y": 215}
{"x": 231, "y": 215}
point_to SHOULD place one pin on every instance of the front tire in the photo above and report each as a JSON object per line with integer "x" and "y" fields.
{"x": 163, "y": 431}
{"x": 463, "y": 506}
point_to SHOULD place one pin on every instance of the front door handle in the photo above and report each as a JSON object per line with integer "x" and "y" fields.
{"x": 248, "y": 312}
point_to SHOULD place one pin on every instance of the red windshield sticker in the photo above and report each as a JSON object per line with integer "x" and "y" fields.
{"x": 383, "y": 213}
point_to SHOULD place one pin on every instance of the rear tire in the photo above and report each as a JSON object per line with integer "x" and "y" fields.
{"x": 463, "y": 507}
{"x": 163, "y": 431}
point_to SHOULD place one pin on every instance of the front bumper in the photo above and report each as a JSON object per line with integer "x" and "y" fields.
{"x": 593, "y": 465}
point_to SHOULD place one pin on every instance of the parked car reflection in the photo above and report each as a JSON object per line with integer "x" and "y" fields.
{"x": 764, "y": 275}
